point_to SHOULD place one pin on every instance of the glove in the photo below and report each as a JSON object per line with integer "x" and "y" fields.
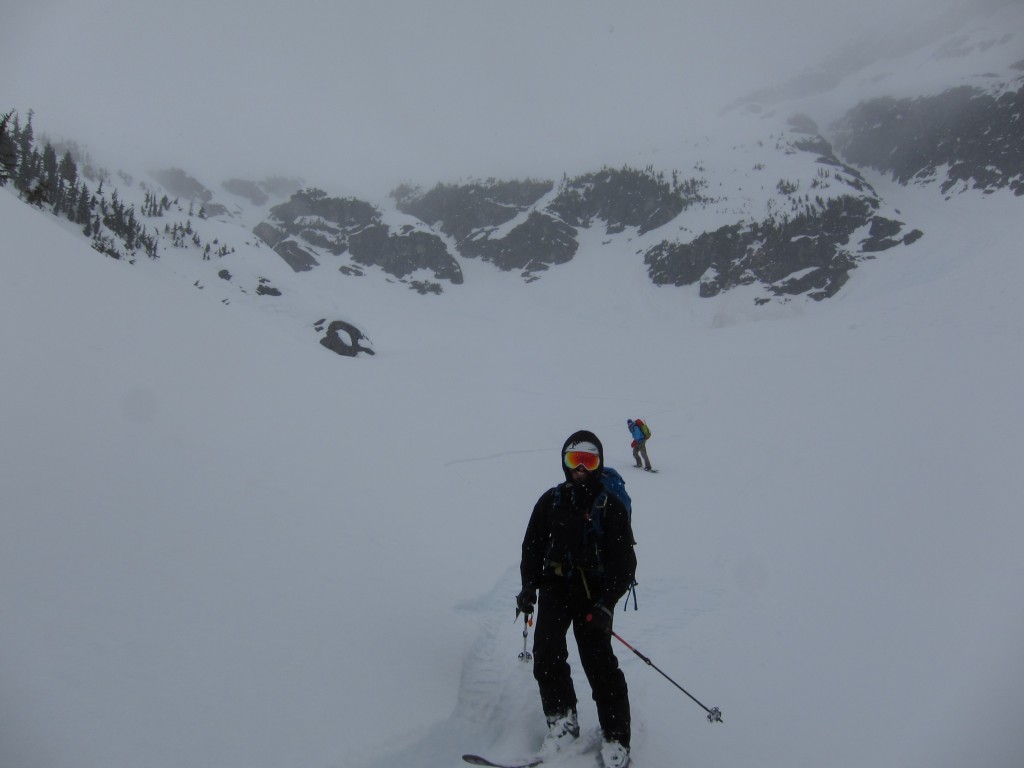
{"x": 600, "y": 619}
{"x": 525, "y": 600}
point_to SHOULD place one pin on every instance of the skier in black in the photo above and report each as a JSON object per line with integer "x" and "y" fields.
{"x": 581, "y": 575}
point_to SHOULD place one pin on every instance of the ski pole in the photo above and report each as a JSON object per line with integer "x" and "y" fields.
{"x": 527, "y": 623}
{"x": 714, "y": 714}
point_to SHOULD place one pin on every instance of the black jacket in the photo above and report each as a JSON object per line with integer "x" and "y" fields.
{"x": 557, "y": 546}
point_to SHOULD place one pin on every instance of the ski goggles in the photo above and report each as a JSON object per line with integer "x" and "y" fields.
{"x": 589, "y": 461}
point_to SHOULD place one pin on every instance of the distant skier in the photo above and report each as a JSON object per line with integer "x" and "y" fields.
{"x": 641, "y": 433}
{"x": 581, "y": 573}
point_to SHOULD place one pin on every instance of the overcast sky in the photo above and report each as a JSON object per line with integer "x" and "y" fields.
{"x": 372, "y": 93}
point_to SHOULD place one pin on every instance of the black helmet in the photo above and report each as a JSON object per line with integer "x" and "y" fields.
{"x": 583, "y": 440}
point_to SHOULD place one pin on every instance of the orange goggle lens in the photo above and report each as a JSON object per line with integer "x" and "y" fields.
{"x": 589, "y": 461}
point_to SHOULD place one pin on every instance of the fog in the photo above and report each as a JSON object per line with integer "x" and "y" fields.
{"x": 366, "y": 95}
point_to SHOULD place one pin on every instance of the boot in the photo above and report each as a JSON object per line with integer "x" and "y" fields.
{"x": 614, "y": 754}
{"x": 562, "y": 730}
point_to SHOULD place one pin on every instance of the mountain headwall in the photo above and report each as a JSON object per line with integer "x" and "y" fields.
{"x": 770, "y": 204}
{"x": 809, "y": 247}
{"x": 803, "y": 233}
{"x": 311, "y": 222}
{"x": 961, "y": 138}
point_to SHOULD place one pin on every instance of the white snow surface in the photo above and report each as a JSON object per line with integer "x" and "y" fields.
{"x": 224, "y": 546}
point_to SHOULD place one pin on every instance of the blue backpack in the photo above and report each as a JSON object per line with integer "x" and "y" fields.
{"x": 613, "y": 484}
{"x": 616, "y": 486}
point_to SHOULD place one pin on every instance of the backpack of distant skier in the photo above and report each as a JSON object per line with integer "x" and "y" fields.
{"x": 643, "y": 428}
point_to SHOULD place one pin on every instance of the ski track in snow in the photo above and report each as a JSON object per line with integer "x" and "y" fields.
{"x": 498, "y": 714}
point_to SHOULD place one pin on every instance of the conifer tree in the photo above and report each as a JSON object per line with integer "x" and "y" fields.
{"x": 70, "y": 202}
{"x": 68, "y": 170}
{"x": 29, "y": 164}
{"x": 8, "y": 151}
{"x": 51, "y": 179}
{"x": 83, "y": 209}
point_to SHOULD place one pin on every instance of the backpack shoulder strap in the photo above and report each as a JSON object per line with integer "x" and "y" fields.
{"x": 556, "y": 497}
{"x": 596, "y": 512}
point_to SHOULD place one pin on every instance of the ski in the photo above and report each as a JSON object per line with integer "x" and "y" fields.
{"x": 477, "y": 760}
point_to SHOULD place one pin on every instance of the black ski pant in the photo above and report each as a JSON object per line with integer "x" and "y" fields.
{"x": 561, "y": 605}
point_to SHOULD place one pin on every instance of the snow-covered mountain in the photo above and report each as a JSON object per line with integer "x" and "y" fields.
{"x": 225, "y": 546}
{"x": 771, "y": 199}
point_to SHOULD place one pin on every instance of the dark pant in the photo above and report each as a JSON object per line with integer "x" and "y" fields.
{"x": 640, "y": 451}
{"x": 561, "y": 605}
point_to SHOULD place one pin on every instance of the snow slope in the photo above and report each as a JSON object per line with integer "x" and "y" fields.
{"x": 224, "y": 546}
